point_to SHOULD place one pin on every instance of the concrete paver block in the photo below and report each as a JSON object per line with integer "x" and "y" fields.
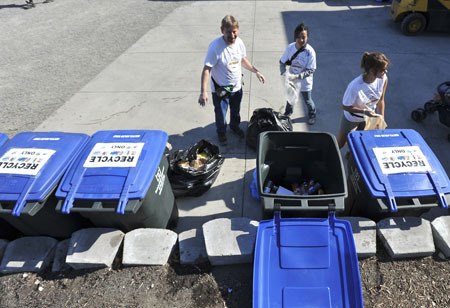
{"x": 364, "y": 234}
{"x": 3, "y": 244}
{"x": 93, "y": 247}
{"x": 28, "y": 254}
{"x": 406, "y": 237}
{"x": 441, "y": 234}
{"x": 59, "y": 261}
{"x": 434, "y": 213}
{"x": 230, "y": 240}
{"x": 148, "y": 246}
{"x": 192, "y": 247}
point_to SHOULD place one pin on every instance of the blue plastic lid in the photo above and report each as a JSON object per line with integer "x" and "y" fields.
{"x": 32, "y": 163}
{"x": 398, "y": 163}
{"x": 115, "y": 165}
{"x": 3, "y": 138}
{"x": 306, "y": 262}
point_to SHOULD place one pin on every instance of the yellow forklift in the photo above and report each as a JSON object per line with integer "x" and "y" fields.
{"x": 416, "y": 16}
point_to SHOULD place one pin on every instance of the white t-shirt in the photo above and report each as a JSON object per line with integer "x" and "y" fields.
{"x": 305, "y": 60}
{"x": 363, "y": 95}
{"x": 225, "y": 62}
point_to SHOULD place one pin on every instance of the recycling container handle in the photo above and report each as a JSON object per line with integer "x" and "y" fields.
{"x": 390, "y": 196}
{"x": 123, "y": 200}
{"x": 68, "y": 202}
{"x": 22, "y": 200}
{"x": 370, "y": 144}
{"x": 437, "y": 188}
{"x": 276, "y": 223}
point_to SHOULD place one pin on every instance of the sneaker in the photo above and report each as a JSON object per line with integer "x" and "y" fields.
{"x": 288, "y": 110}
{"x": 238, "y": 131}
{"x": 222, "y": 139}
{"x": 312, "y": 119}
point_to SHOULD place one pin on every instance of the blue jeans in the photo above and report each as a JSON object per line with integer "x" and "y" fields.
{"x": 309, "y": 102}
{"x": 221, "y": 108}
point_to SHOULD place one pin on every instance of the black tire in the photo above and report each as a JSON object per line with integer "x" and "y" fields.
{"x": 448, "y": 137}
{"x": 413, "y": 24}
{"x": 430, "y": 107}
{"x": 418, "y": 115}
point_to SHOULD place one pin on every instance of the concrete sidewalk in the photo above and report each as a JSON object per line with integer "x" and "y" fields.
{"x": 155, "y": 84}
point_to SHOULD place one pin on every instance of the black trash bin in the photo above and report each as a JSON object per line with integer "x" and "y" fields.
{"x": 300, "y": 156}
{"x": 120, "y": 181}
{"x": 31, "y": 165}
{"x": 393, "y": 172}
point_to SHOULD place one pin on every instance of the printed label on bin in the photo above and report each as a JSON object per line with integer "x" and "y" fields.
{"x": 26, "y": 161}
{"x": 401, "y": 159}
{"x": 123, "y": 155}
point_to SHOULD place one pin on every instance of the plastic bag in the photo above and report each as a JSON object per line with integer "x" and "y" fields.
{"x": 193, "y": 171}
{"x": 266, "y": 119}
{"x": 291, "y": 92}
{"x": 375, "y": 123}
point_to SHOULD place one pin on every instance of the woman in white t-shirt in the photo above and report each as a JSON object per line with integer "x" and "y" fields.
{"x": 364, "y": 96}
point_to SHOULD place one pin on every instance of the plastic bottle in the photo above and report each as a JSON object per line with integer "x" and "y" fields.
{"x": 313, "y": 189}
{"x": 268, "y": 187}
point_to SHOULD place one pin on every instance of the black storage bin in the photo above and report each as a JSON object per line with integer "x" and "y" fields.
{"x": 316, "y": 154}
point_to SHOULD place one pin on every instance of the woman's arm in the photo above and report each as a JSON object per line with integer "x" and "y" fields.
{"x": 358, "y": 110}
{"x": 380, "y": 105}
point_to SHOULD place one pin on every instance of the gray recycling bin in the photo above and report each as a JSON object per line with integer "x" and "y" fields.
{"x": 285, "y": 159}
{"x": 120, "y": 181}
{"x": 31, "y": 165}
{"x": 393, "y": 172}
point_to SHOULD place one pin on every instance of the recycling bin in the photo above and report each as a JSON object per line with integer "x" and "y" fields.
{"x": 6, "y": 230}
{"x": 31, "y": 165}
{"x": 393, "y": 172}
{"x": 120, "y": 181}
{"x": 306, "y": 262}
{"x": 299, "y": 155}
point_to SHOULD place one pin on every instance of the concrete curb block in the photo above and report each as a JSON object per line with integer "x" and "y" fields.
{"x": 28, "y": 254}
{"x": 148, "y": 246}
{"x": 441, "y": 234}
{"x": 94, "y": 247}
{"x": 192, "y": 247}
{"x": 3, "y": 244}
{"x": 230, "y": 241}
{"x": 406, "y": 237}
{"x": 59, "y": 261}
{"x": 364, "y": 234}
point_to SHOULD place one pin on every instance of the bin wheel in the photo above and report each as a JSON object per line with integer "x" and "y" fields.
{"x": 418, "y": 114}
{"x": 173, "y": 220}
{"x": 413, "y": 24}
{"x": 430, "y": 107}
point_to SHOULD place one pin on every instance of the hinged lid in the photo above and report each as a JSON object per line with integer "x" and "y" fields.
{"x": 32, "y": 163}
{"x": 115, "y": 165}
{"x": 398, "y": 163}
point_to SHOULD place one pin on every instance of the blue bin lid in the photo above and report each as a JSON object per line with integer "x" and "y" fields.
{"x": 3, "y": 138}
{"x": 398, "y": 163}
{"x": 115, "y": 165}
{"x": 32, "y": 163}
{"x": 307, "y": 261}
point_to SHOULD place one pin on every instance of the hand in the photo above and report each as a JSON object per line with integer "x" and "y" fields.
{"x": 260, "y": 77}
{"x": 371, "y": 113}
{"x": 292, "y": 77}
{"x": 203, "y": 99}
{"x": 296, "y": 76}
